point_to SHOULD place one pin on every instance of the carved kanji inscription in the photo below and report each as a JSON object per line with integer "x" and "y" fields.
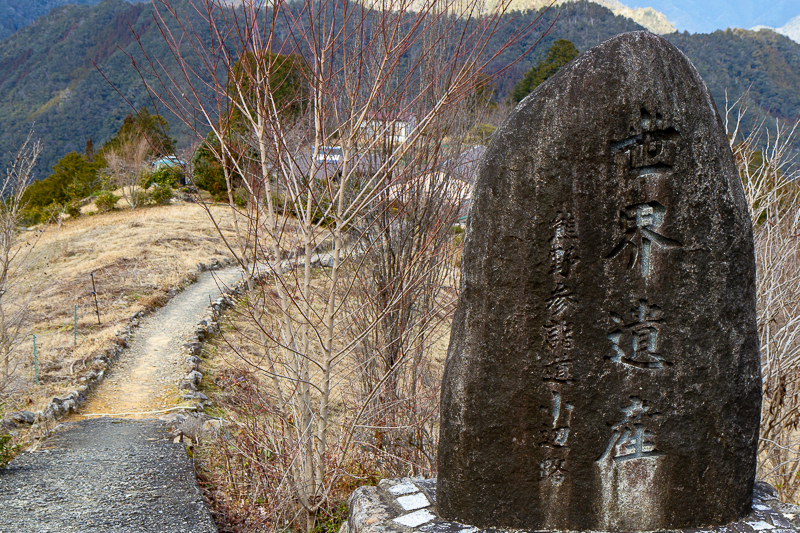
{"x": 635, "y": 342}
{"x": 639, "y": 225}
{"x": 631, "y": 438}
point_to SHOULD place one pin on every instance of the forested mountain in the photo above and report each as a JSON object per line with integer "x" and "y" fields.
{"x": 648, "y": 17}
{"x": 47, "y": 74}
{"x": 734, "y": 60}
{"x": 765, "y": 62}
{"x": 585, "y": 24}
{"x": 48, "y": 77}
{"x": 15, "y": 14}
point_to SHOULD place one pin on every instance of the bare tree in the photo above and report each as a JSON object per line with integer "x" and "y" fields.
{"x": 126, "y": 164}
{"x": 769, "y": 175}
{"x": 406, "y": 297}
{"x": 20, "y": 258}
{"x": 339, "y": 120}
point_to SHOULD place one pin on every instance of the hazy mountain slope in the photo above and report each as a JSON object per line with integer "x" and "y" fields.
{"x": 16, "y": 14}
{"x": 653, "y": 20}
{"x": 644, "y": 16}
{"x": 47, "y": 76}
{"x": 709, "y": 15}
{"x": 791, "y": 29}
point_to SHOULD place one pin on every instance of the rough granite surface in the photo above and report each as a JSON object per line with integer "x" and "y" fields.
{"x": 104, "y": 475}
{"x": 603, "y": 370}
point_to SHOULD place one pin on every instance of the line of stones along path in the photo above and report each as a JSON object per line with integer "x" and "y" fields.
{"x": 120, "y": 472}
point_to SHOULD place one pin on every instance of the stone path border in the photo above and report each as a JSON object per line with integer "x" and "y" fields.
{"x": 207, "y": 328}
{"x": 59, "y": 406}
{"x": 408, "y": 505}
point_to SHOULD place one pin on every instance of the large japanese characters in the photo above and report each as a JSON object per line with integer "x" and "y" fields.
{"x": 603, "y": 369}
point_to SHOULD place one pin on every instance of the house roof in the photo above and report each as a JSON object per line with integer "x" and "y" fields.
{"x": 169, "y": 161}
{"x": 303, "y": 163}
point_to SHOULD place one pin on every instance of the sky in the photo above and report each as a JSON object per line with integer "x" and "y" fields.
{"x": 706, "y": 16}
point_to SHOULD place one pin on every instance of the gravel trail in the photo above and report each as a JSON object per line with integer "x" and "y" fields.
{"x": 146, "y": 375}
{"x": 119, "y": 475}
{"x": 103, "y": 475}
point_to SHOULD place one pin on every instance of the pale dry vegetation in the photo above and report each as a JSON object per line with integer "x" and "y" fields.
{"x": 769, "y": 174}
{"x": 137, "y": 257}
{"x": 244, "y": 470}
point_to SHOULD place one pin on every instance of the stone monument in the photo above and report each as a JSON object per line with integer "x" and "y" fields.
{"x": 603, "y": 370}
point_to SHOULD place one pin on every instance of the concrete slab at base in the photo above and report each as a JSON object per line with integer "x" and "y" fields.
{"x": 408, "y": 505}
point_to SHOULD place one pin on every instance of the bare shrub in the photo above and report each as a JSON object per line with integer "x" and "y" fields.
{"x": 769, "y": 175}
{"x": 126, "y": 165}
{"x": 21, "y": 259}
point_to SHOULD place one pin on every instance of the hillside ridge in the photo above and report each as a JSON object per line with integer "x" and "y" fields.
{"x": 791, "y": 29}
{"x": 647, "y": 17}
{"x": 48, "y": 75}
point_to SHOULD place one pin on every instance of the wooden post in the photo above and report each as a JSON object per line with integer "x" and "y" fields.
{"x": 96, "y": 307}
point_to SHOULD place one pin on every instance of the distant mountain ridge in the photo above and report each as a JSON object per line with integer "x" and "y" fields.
{"x": 16, "y": 14}
{"x": 47, "y": 76}
{"x": 706, "y": 16}
{"x": 647, "y": 17}
{"x": 791, "y": 29}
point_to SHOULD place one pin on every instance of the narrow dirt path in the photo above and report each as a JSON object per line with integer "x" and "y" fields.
{"x": 146, "y": 375}
{"x": 105, "y": 474}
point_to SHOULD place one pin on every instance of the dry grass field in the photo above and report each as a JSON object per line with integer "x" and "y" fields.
{"x": 137, "y": 258}
{"x": 245, "y": 491}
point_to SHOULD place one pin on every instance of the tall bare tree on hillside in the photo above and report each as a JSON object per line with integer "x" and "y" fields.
{"x": 346, "y": 170}
{"x": 19, "y": 258}
{"x": 126, "y": 164}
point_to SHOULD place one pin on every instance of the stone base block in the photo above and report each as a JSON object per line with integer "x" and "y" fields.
{"x": 408, "y": 505}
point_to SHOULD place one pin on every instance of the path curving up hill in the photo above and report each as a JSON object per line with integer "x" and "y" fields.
{"x": 119, "y": 475}
{"x": 145, "y": 377}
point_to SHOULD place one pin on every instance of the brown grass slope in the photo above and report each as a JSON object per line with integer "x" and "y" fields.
{"x": 139, "y": 258}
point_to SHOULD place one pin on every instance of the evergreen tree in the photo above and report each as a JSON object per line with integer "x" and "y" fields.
{"x": 73, "y": 178}
{"x": 154, "y": 128}
{"x": 561, "y": 53}
{"x": 208, "y": 172}
{"x": 89, "y": 152}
